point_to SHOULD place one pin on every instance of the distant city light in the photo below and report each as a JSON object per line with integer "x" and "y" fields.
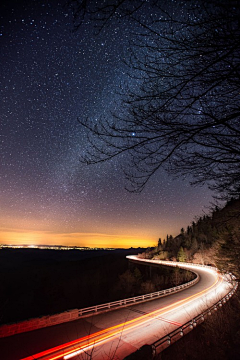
{"x": 52, "y": 247}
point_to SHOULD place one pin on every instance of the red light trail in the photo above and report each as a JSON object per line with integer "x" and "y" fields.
{"x": 74, "y": 348}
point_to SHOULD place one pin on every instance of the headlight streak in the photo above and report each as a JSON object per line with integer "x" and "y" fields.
{"x": 187, "y": 300}
{"x": 116, "y": 330}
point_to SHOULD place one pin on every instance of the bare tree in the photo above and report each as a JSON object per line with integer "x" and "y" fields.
{"x": 184, "y": 113}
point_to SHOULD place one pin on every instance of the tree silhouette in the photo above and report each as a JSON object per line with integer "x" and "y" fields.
{"x": 184, "y": 115}
{"x": 181, "y": 256}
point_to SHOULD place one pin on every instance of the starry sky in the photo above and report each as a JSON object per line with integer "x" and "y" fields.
{"x": 50, "y": 76}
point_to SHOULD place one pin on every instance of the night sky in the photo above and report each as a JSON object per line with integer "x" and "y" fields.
{"x": 50, "y": 76}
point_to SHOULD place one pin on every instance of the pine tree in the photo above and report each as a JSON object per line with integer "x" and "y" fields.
{"x": 159, "y": 243}
{"x": 181, "y": 256}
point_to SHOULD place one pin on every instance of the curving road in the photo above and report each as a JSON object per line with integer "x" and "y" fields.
{"x": 117, "y": 333}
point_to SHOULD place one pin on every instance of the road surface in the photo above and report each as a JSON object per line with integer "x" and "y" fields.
{"x": 116, "y": 334}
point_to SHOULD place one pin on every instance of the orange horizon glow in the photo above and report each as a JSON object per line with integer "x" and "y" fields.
{"x": 81, "y": 239}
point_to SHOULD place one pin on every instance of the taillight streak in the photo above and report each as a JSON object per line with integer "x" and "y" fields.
{"x": 115, "y": 330}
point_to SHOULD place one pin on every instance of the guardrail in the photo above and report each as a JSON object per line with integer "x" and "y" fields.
{"x": 136, "y": 299}
{"x": 162, "y": 343}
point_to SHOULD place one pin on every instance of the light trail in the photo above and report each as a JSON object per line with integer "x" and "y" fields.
{"x": 66, "y": 351}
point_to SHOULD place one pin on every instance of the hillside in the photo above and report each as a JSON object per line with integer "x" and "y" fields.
{"x": 212, "y": 239}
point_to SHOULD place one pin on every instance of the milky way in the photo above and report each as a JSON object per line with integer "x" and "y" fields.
{"x": 50, "y": 77}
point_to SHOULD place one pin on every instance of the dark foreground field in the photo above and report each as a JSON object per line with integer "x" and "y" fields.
{"x": 38, "y": 282}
